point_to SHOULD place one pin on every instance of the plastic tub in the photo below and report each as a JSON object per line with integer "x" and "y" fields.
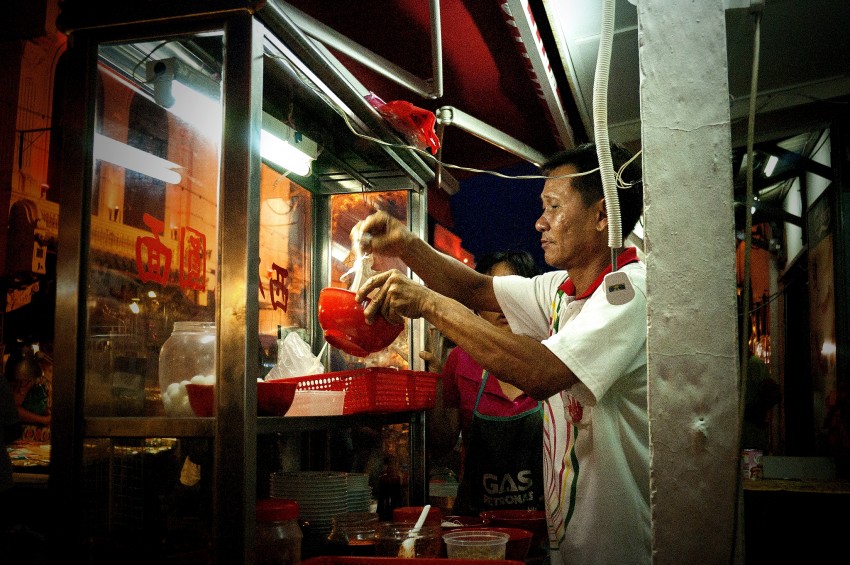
{"x": 518, "y": 544}
{"x": 476, "y": 544}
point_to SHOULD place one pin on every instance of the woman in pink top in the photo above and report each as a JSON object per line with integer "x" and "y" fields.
{"x": 501, "y": 428}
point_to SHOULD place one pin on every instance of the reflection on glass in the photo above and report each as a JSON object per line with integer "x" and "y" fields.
{"x": 154, "y": 216}
{"x": 285, "y": 233}
{"x": 346, "y": 211}
{"x": 132, "y": 485}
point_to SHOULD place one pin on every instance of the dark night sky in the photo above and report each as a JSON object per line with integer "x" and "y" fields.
{"x": 495, "y": 214}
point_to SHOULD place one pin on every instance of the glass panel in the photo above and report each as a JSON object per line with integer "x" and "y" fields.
{"x": 285, "y": 235}
{"x": 148, "y": 498}
{"x": 346, "y": 211}
{"x": 154, "y": 232}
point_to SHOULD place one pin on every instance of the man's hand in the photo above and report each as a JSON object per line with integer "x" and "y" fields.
{"x": 393, "y": 295}
{"x": 381, "y": 233}
{"x": 435, "y": 364}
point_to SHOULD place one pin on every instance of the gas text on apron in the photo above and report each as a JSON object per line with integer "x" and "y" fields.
{"x": 503, "y": 464}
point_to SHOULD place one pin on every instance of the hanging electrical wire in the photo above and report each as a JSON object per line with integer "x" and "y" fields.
{"x": 619, "y": 182}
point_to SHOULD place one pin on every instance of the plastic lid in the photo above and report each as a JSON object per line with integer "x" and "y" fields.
{"x": 276, "y": 510}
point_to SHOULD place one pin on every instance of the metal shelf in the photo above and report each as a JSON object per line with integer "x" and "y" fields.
{"x": 109, "y": 427}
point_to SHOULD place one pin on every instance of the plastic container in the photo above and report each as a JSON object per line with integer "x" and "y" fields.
{"x": 476, "y": 544}
{"x": 275, "y": 397}
{"x": 188, "y": 355}
{"x": 353, "y": 534}
{"x": 278, "y": 535}
{"x": 519, "y": 542}
{"x": 451, "y": 522}
{"x": 376, "y": 390}
{"x": 411, "y": 514}
{"x": 343, "y": 320}
{"x": 532, "y": 520}
{"x": 390, "y": 536}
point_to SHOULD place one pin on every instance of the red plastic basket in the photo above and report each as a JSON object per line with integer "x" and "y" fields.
{"x": 377, "y": 389}
{"x": 424, "y": 390}
{"x": 335, "y": 560}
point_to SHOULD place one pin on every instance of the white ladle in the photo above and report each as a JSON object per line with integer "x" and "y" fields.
{"x": 408, "y": 546}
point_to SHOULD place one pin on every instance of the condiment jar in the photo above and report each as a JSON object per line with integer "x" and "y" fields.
{"x": 278, "y": 535}
{"x": 353, "y": 534}
{"x": 187, "y": 355}
{"x": 391, "y": 535}
{"x": 389, "y": 490}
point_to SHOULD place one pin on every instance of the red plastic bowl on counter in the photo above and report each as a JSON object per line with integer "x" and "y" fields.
{"x": 345, "y": 327}
{"x": 411, "y": 514}
{"x": 201, "y": 399}
{"x": 450, "y": 522}
{"x": 532, "y": 520}
{"x": 274, "y": 398}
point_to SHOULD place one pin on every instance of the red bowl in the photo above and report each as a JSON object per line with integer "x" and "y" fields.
{"x": 452, "y": 522}
{"x": 275, "y": 397}
{"x": 201, "y": 399}
{"x": 518, "y": 544}
{"x": 345, "y": 327}
{"x": 532, "y": 520}
{"x": 411, "y": 514}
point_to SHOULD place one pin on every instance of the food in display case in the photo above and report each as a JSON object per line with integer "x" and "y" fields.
{"x": 188, "y": 356}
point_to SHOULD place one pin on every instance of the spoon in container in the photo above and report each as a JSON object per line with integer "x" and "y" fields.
{"x": 408, "y": 546}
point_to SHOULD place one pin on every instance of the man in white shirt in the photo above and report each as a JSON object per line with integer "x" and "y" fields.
{"x": 575, "y": 348}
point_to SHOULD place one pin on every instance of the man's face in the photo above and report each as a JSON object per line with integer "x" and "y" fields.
{"x": 569, "y": 231}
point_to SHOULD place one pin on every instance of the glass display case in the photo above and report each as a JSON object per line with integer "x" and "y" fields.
{"x": 214, "y": 165}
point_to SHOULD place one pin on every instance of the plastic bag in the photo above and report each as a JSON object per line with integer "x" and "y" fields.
{"x": 294, "y": 359}
{"x": 414, "y": 123}
{"x": 362, "y": 267}
{"x": 359, "y": 272}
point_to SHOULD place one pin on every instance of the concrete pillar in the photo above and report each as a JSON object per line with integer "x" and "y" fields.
{"x": 690, "y": 257}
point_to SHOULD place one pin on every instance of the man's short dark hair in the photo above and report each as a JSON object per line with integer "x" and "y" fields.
{"x": 584, "y": 158}
{"x": 521, "y": 262}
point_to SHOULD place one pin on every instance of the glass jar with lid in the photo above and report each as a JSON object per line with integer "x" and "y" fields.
{"x": 188, "y": 355}
{"x": 353, "y": 534}
{"x": 391, "y": 535}
{"x": 278, "y": 535}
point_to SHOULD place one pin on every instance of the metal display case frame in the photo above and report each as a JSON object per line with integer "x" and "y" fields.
{"x": 246, "y": 27}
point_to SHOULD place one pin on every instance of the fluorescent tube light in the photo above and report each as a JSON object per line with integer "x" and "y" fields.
{"x": 286, "y": 148}
{"x": 281, "y": 153}
{"x": 772, "y": 161}
{"x": 197, "y": 110}
{"x": 123, "y": 155}
{"x": 339, "y": 252}
{"x": 188, "y": 94}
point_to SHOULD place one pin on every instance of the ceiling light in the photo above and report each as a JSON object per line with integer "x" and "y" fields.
{"x": 772, "y": 161}
{"x": 339, "y": 252}
{"x": 188, "y": 94}
{"x": 285, "y": 147}
{"x": 123, "y": 155}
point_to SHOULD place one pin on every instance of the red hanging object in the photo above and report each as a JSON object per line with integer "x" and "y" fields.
{"x": 415, "y": 124}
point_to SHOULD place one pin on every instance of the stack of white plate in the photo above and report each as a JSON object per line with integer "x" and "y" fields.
{"x": 359, "y": 492}
{"x": 321, "y": 495}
